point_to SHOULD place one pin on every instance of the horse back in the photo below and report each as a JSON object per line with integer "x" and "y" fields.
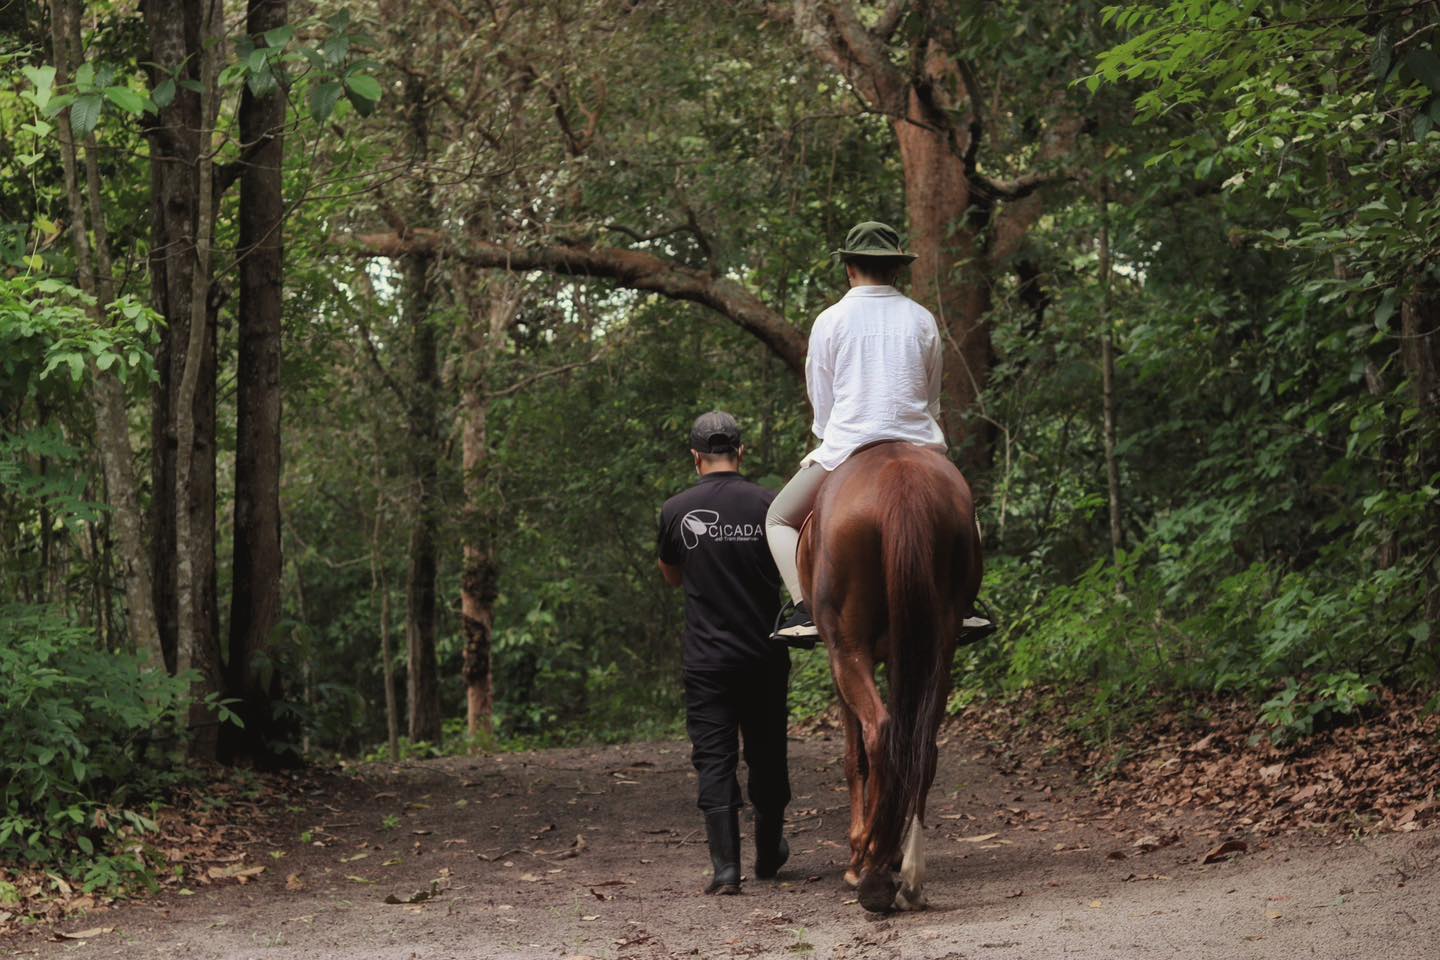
{"x": 889, "y": 490}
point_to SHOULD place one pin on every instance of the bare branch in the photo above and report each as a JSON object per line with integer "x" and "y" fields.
{"x": 629, "y": 268}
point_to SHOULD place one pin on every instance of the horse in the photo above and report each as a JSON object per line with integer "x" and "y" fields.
{"x": 890, "y": 560}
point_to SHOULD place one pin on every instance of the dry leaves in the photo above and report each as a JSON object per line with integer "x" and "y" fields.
{"x": 1224, "y": 850}
{"x": 89, "y": 934}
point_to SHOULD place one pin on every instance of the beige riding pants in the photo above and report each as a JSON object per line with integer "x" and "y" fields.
{"x": 782, "y": 524}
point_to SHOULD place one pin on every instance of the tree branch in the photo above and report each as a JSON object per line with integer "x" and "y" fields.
{"x": 890, "y": 19}
{"x": 1017, "y": 217}
{"x": 629, "y": 268}
{"x": 834, "y": 31}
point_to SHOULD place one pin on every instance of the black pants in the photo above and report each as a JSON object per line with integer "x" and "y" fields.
{"x": 721, "y": 708}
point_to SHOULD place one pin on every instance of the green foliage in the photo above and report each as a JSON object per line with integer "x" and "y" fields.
{"x": 83, "y": 747}
{"x": 812, "y": 691}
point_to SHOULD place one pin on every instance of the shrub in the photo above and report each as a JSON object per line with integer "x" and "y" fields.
{"x": 78, "y": 758}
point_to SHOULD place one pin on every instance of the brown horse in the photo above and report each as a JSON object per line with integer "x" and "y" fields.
{"x": 891, "y": 563}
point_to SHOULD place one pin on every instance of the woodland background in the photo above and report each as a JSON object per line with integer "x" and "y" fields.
{"x": 347, "y": 351}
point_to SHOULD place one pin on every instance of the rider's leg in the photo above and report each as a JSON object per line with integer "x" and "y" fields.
{"x": 782, "y": 524}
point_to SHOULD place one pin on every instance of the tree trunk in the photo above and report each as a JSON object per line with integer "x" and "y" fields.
{"x": 937, "y": 196}
{"x": 380, "y": 584}
{"x": 256, "y": 605}
{"x": 193, "y": 650}
{"x": 111, "y": 416}
{"x": 1107, "y": 366}
{"x": 418, "y": 296}
{"x": 490, "y": 317}
{"x": 174, "y": 31}
{"x": 420, "y": 614}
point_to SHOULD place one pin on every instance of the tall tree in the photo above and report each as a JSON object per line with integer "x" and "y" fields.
{"x": 174, "y": 30}
{"x": 96, "y": 277}
{"x": 196, "y": 649}
{"x": 256, "y": 604}
{"x": 491, "y": 305}
{"x": 418, "y": 296}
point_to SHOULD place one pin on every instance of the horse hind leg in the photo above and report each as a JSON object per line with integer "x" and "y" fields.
{"x": 856, "y": 683}
{"x": 911, "y": 895}
{"x": 856, "y": 771}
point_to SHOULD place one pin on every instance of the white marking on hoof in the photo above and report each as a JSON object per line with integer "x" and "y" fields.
{"x": 911, "y": 895}
{"x": 852, "y": 878}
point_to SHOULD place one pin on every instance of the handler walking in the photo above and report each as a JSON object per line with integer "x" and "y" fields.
{"x": 712, "y": 542}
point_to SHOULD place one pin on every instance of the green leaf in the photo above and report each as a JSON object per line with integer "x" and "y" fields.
{"x": 105, "y": 361}
{"x": 262, "y": 83}
{"x": 86, "y": 847}
{"x": 1380, "y": 58}
{"x": 334, "y": 49}
{"x": 279, "y": 36}
{"x": 43, "y": 79}
{"x": 164, "y": 93}
{"x": 85, "y": 114}
{"x": 1386, "y": 309}
{"x": 323, "y": 97}
{"x": 1422, "y": 126}
{"x": 85, "y": 76}
{"x": 126, "y": 99}
{"x": 256, "y": 61}
{"x": 363, "y": 86}
{"x": 1425, "y": 65}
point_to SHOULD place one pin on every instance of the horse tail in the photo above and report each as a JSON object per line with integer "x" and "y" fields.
{"x": 915, "y": 539}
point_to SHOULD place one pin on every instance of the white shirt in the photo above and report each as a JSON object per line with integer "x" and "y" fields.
{"x": 873, "y": 373}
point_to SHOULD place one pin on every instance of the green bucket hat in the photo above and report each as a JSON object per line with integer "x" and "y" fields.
{"x": 873, "y": 239}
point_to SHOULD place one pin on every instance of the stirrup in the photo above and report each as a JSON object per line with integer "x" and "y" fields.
{"x": 978, "y": 625}
{"x": 795, "y": 628}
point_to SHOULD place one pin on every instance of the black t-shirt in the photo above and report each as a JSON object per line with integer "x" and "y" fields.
{"x": 715, "y": 533}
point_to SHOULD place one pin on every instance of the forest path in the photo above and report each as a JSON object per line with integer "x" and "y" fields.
{"x": 1022, "y": 867}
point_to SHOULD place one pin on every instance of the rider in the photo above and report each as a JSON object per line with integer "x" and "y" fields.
{"x": 873, "y": 374}
{"x": 712, "y": 543}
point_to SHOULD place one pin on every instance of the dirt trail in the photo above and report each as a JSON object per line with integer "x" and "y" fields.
{"x": 1022, "y": 867}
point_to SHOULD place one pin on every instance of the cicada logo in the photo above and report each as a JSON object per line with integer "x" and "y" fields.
{"x": 706, "y": 523}
{"x": 696, "y": 524}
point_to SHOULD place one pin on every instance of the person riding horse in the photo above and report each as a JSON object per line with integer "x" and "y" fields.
{"x": 873, "y": 373}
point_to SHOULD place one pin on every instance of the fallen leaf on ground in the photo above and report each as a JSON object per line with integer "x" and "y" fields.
{"x": 237, "y": 871}
{"x": 980, "y": 839}
{"x": 89, "y": 934}
{"x": 1223, "y": 851}
{"x": 294, "y": 883}
{"x": 1013, "y": 894}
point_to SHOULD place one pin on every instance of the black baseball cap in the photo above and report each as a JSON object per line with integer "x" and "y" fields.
{"x": 715, "y": 432}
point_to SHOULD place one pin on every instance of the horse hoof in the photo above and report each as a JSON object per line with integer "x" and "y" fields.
{"x": 911, "y": 900}
{"x": 877, "y": 893}
{"x": 852, "y": 879}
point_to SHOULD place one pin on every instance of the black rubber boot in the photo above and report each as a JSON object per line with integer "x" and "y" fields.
{"x": 722, "y": 829}
{"x": 771, "y": 849}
